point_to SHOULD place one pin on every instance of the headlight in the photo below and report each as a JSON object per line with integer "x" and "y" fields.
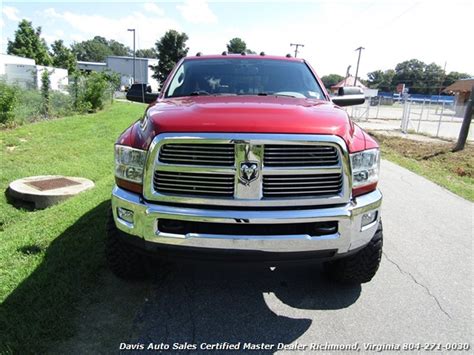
{"x": 129, "y": 163}
{"x": 365, "y": 170}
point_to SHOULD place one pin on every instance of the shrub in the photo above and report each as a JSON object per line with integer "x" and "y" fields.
{"x": 96, "y": 90}
{"x": 90, "y": 92}
{"x": 8, "y": 101}
{"x": 45, "y": 94}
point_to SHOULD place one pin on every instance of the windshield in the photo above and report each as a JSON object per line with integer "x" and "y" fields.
{"x": 244, "y": 77}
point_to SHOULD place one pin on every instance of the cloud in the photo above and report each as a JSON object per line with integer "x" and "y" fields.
{"x": 10, "y": 13}
{"x": 152, "y": 8}
{"x": 86, "y": 26}
{"x": 197, "y": 11}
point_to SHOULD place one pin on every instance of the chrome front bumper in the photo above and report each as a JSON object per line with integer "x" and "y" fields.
{"x": 351, "y": 235}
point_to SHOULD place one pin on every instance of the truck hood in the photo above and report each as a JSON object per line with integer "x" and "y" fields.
{"x": 249, "y": 114}
{"x": 246, "y": 114}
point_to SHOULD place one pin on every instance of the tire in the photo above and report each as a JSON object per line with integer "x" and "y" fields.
{"x": 360, "y": 267}
{"x": 121, "y": 258}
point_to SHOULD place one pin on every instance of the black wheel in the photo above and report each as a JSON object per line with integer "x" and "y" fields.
{"x": 360, "y": 267}
{"x": 122, "y": 259}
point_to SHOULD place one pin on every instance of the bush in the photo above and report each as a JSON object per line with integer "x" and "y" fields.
{"x": 97, "y": 88}
{"x": 90, "y": 92}
{"x": 8, "y": 101}
{"x": 87, "y": 93}
{"x": 45, "y": 93}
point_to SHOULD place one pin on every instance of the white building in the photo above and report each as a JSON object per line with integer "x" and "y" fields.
{"x": 124, "y": 67}
{"x": 25, "y": 73}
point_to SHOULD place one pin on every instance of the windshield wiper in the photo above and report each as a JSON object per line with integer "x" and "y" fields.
{"x": 199, "y": 93}
{"x": 274, "y": 94}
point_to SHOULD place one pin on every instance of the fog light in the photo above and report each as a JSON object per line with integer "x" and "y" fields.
{"x": 368, "y": 218}
{"x": 125, "y": 214}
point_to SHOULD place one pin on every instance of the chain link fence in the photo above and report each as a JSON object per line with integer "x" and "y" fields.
{"x": 438, "y": 119}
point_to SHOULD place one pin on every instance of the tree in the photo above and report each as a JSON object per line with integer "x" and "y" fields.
{"x": 433, "y": 76}
{"x": 147, "y": 53}
{"x": 98, "y": 48}
{"x": 454, "y": 76}
{"x": 331, "y": 79}
{"x": 118, "y": 48}
{"x": 29, "y": 44}
{"x": 63, "y": 57}
{"x": 171, "y": 48}
{"x": 382, "y": 80}
{"x": 411, "y": 73}
{"x": 237, "y": 45}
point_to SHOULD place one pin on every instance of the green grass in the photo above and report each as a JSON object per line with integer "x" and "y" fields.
{"x": 434, "y": 161}
{"x": 49, "y": 258}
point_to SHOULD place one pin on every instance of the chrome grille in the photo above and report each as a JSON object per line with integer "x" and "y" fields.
{"x": 198, "y": 154}
{"x": 277, "y": 186}
{"x": 215, "y": 169}
{"x": 300, "y": 155}
{"x": 171, "y": 182}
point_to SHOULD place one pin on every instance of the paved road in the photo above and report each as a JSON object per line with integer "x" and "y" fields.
{"x": 421, "y": 294}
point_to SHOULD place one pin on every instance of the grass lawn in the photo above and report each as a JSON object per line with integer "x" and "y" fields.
{"x": 49, "y": 258}
{"x": 435, "y": 161}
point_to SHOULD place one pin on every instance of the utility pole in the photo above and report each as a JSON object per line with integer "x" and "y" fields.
{"x": 134, "y": 52}
{"x": 358, "y": 61}
{"x": 347, "y": 74}
{"x": 296, "y": 45}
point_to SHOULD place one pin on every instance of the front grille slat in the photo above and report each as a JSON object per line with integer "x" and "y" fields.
{"x": 297, "y": 186}
{"x": 197, "y": 154}
{"x": 300, "y": 155}
{"x": 186, "y": 183}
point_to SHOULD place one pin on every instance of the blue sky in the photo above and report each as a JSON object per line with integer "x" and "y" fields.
{"x": 391, "y": 31}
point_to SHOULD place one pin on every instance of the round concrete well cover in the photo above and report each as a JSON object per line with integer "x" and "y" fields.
{"x": 46, "y": 190}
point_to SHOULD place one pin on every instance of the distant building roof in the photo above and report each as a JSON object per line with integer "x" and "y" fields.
{"x": 131, "y": 58}
{"x": 349, "y": 81}
{"x": 461, "y": 85}
{"x": 14, "y": 59}
{"x": 90, "y": 63}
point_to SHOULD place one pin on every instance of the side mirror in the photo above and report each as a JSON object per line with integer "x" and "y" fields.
{"x": 141, "y": 93}
{"x": 349, "y": 96}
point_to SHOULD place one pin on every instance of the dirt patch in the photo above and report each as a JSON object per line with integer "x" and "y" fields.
{"x": 439, "y": 153}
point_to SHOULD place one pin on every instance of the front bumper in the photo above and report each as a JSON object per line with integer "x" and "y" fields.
{"x": 349, "y": 237}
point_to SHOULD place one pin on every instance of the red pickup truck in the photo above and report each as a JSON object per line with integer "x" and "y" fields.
{"x": 247, "y": 158}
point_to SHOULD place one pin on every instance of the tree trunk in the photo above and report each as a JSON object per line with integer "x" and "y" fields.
{"x": 463, "y": 133}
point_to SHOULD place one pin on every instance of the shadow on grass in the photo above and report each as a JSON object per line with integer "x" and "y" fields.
{"x": 194, "y": 303}
{"x": 17, "y": 203}
{"x": 41, "y": 308}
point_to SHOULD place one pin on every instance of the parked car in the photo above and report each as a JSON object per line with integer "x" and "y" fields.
{"x": 247, "y": 158}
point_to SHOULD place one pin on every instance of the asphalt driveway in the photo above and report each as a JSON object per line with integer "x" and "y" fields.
{"x": 421, "y": 294}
